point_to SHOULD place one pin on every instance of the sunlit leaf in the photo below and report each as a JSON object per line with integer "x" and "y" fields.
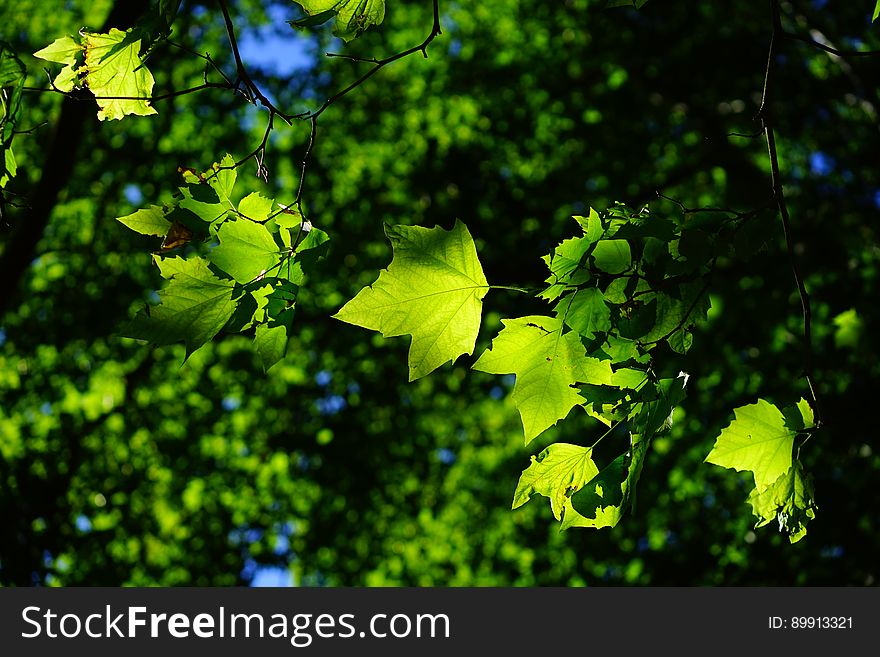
{"x": 612, "y": 256}
{"x": 604, "y": 500}
{"x": 591, "y": 225}
{"x": 432, "y": 290}
{"x": 12, "y": 79}
{"x": 255, "y": 207}
{"x": 758, "y": 440}
{"x": 194, "y": 306}
{"x": 116, "y": 74}
{"x": 246, "y": 250}
{"x": 788, "y": 500}
{"x": 62, "y": 51}
{"x": 353, "y": 17}
{"x": 270, "y": 343}
{"x": 221, "y": 178}
{"x": 585, "y": 311}
{"x": 148, "y": 221}
{"x": 556, "y": 472}
{"x": 547, "y": 363}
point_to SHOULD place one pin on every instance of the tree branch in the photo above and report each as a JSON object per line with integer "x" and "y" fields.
{"x": 834, "y": 51}
{"x": 779, "y": 195}
{"x": 251, "y": 90}
{"x": 378, "y": 65}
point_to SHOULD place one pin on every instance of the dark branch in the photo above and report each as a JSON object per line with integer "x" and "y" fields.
{"x": 251, "y": 91}
{"x": 378, "y": 65}
{"x": 148, "y": 99}
{"x": 779, "y": 195}
{"x": 834, "y": 51}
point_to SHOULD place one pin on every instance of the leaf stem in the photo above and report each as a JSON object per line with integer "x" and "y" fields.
{"x": 524, "y": 290}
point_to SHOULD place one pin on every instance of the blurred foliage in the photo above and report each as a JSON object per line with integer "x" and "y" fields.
{"x": 119, "y": 466}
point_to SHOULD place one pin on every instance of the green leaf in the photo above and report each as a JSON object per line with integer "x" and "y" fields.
{"x": 567, "y": 258}
{"x": 788, "y": 500}
{"x": 432, "y": 290}
{"x": 757, "y": 440}
{"x": 116, "y": 74}
{"x": 12, "y": 70}
{"x": 255, "y": 207}
{"x": 680, "y": 341}
{"x": 221, "y": 177}
{"x": 612, "y": 256}
{"x": 600, "y": 502}
{"x": 316, "y": 239}
{"x": 279, "y": 304}
{"x": 558, "y": 471}
{"x": 628, "y": 377}
{"x": 203, "y": 202}
{"x": 620, "y": 350}
{"x": 876, "y": 12}
{"x": 593, "y": 371}
{"x": 61, "y": 51}
{"x": 622, "y": 289}
{"x": 638, "y": 320}
{"x": 353, "y": 17}
{"x": 311, "y": 245}
{"x": 194, "y": 306}
{"x": 271, "y": 343}
{"x": 800, "y": 416}
{"x": 10, "y": 168}
{"x": 12, "y": 78}
{"x": 250, "y": 309}
{"x": 674, "y": 315}
{"x": 655, "y": 416}
{"x": 547, "y": 364}
{"x": 592, "y": 226}
{"x": 246, "y": 250}
{"x": 315, "y": 20}
{"x": 585, "y": 312}
{"x": 67, "y": 79}
{"x": 148, "y": 221}
{"x": 606, "y": 498}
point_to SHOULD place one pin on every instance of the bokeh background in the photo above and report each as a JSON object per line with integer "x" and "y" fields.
{"x": 120, "y": 467}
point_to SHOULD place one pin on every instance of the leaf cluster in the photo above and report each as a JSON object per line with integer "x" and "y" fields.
{"x": 244, "y": 262}
{"x": 627, "y": 284}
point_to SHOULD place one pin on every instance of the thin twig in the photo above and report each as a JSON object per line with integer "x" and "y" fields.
{"x": 352, "y": 58}
{"x": 207, "y": 57}
{"x": 313, "y": 132}
{"x": 378, "y": 65}
{"x": 737, "y": 214}
{"x": 146, "y": 99}
{"x": 779, "y": 195}
{"x": 259, "y": 153}
{"x": 834, "y": 51}
{"x": 381, "y": 63}
{"x": 746, "y": 135}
